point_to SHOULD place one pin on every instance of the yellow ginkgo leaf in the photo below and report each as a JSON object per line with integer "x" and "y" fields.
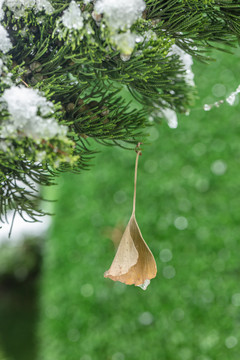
{"x": 133, "y": 263}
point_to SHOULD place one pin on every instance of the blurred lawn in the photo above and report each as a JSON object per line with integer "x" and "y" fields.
{"x": 188, "y": 209}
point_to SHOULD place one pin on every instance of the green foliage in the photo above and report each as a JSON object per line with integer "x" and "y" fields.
{"x": 201, "y": 21}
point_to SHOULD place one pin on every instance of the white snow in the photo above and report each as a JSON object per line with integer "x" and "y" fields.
{"x": 27, "y": 108}
{"x": 120, "y": 14}
{"x": 1, "y": 10}
{"x": 187, "y": 61}
{"x": 207, "y": 107}
{"x": 171, "y": 118}
{"x": 149, "y": 35}
{"x": 44, "y": 5}
{"x": 72, "y": 17}
{"x": 125, "y": 42}
{"x": 230, "y": 100}
{"x": 169, "y": 114}
{"x": 232, "y": 97}
{"x": 5, "y": 43}
{"x": 19, "y": 6}
{"x": 1, "y": 65}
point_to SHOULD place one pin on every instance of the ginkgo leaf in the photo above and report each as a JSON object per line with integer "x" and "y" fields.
{"x": 133, "y": 263}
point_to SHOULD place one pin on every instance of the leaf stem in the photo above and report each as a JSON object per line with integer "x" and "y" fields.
{"x": 135, "y": 178}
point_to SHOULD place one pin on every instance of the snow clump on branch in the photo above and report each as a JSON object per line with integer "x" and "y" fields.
{"x": 18, "y": 7}
{"x": 171, "y": 117}
{"x": 120, "y": 14}
{"x": 72, "y": 17}
{"x": 30, "y": 115}
{"x": 187, "y": 62}
{"x": 1, "y": 10}
{"x": 5, "y": 42}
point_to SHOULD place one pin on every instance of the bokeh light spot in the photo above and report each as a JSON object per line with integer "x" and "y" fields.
{"x": 165, "y": 255}
{"x": 199, "y": 149}
{"x": 181, "y": 223}
{"x": 87, "y": 290}
{"x": 118, "y": 356}
{"x": 178, "y": 314}
{"x": 86, "y": 357}
{"x": 231, "y": 342}
{"x": 120, "y": 197}
{"x": 218, "y": 167}
{"x": 185, "y": 354}
{"x": 146, "y": 318}
{"x": 209, "y": 341}
{"x": 169, "y": 272}
{"x": 236, "y": 299}
{"x": 219, "y": 90}
{"x": 202, "y": 185}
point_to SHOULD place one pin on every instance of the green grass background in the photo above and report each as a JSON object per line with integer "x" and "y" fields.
{"x": 191, "y": 311}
